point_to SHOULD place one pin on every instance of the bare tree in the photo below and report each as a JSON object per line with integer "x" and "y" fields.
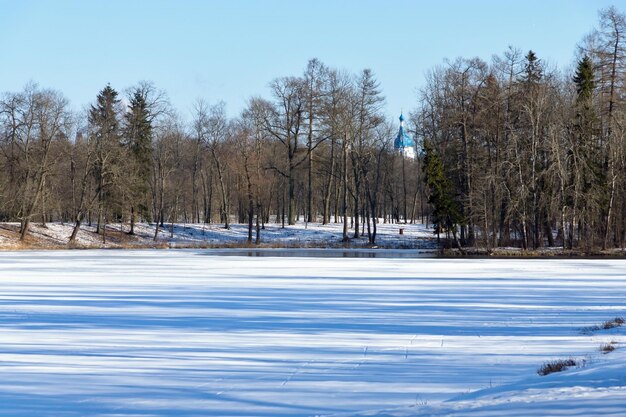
{"x": 33, "y": 120}
{"x": 167, "y": 160}
{"x": 212, "y": 128}
{"x": 284, "y": 122}
{"x": 81, "y": 165}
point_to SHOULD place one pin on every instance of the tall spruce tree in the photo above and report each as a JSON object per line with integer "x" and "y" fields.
{"x": 533, "y": 70}
{"x": 586, "y": 119}
{"x": 105, "y": 131}
{"x": 533, "y": 142}
{"x": 584, "y": 80}
{"x": 446, "y": 212}
{"x": 138, "y": 140}
{"x": 589, "y": 191}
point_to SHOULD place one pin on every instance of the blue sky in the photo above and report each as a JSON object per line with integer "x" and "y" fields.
{"x": 230, "y": 50}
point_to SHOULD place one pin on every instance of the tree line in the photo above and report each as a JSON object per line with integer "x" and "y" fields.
{"x": 510, "y": 152}
{"x": 522, "y": 154}
{"x": 318, "y": 150}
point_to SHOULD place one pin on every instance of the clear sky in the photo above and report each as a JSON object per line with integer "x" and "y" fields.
{"x": 231, "y": 49}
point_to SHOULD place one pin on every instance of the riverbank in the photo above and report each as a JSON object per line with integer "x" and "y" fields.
{"x": 420, "y": 237}
{"x": 540, "y": 253}
{"x": 179, "y": 235}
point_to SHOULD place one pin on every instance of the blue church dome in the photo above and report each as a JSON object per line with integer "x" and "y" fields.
{"x": 404, "y": 143}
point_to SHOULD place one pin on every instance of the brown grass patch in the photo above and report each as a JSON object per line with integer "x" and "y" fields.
{"x": 609, "y": 324}
{"x": 608, "y": 347}
{"x": 556, "y": 366}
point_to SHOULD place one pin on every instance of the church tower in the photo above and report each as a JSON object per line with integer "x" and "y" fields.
{"x": 404, "y": 143}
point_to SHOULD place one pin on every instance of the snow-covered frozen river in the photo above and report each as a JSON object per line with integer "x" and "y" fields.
{"x": 178, "y": 333}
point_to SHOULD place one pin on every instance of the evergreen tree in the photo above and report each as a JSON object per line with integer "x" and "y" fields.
{"x": 446, "y": 211}
{"x": 532, "y": 142}
{"x": 533, "y": 69}
{"x": 584, "y": 80}
{"x": 138, "y": 137}
{"x": 585, "y": 113}
{"x": 103, "y": 116}
{"x": 588, "y": 194}
{"x": 105, "y": 131}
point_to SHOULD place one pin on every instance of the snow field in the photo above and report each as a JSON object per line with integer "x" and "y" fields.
{"x": 179, "y": 333}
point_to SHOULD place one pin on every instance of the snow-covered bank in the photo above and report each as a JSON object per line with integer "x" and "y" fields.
{"x": 56, "y": 235}
{"x": 178, "y": 333}
{"x": 596, "y": 389}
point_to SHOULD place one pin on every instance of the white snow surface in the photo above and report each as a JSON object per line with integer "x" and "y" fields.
{"x": 186, "y": 333}
{"x": 197, "y": 235}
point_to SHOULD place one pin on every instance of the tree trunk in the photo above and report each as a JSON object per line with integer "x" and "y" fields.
{"x": 75, "y": 230}
{"x": 404, "y": 188}
{"x": 344, "y": 207}
{"x": 329, "y": 184}
{"x": 132, "y": 221}
{"x": 609, "y": 215}
{"x": 104, "y": 230}
{"x": 225, "y": 209}
{"x": 309, "y": 208}
{"x": 291, "y": 197}
{"x": 259, "y": 211}
{"x": 357, "y": 199}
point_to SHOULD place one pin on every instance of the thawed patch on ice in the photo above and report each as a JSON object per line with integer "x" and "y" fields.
{"x": 179, "y": 333}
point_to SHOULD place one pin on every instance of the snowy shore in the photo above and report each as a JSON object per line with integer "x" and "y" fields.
{"x": 300, "y": 235}
{"x": 397, "y": 236}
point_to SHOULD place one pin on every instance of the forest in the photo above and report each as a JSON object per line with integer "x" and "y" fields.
{"x": 510, "y": 152}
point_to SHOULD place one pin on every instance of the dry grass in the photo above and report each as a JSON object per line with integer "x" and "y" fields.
{"x": 609, "y": 324}
{"x": 556, "y": 366}
{"x": 608, "y": 347}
